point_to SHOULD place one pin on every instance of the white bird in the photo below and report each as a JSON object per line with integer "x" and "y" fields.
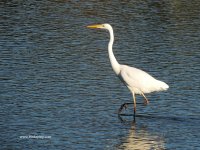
{"x": 137, "y": 81}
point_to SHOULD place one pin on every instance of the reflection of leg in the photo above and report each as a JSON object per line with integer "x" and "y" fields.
{"x": 123, "y": 106}
{"x": 134, "y": 105}
{"x": 146, "y": 100}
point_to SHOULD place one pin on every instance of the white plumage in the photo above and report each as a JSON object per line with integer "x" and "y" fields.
{"x": 138, "y": 81}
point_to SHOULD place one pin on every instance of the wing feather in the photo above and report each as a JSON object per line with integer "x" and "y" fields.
{"x": 139, "y": 81}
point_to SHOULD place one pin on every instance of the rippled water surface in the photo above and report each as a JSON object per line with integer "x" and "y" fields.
{"x": 57, "y": 87}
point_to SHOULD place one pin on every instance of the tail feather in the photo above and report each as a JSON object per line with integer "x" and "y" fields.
{"x": 162, "y": 86}
{"x": 152, "y": 87}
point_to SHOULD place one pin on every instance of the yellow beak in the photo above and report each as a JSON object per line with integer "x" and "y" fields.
{"x": 95, "y": 26}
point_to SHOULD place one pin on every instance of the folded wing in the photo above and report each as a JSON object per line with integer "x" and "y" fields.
{"x": 139, "y": 81}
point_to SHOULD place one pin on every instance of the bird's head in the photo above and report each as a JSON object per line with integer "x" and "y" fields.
{"x": 100, "y": 26}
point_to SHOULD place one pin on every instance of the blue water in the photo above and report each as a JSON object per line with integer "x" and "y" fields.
{"x": 57, "y": 87}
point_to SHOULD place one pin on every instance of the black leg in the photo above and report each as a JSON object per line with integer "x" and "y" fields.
{"x": 134, "y": 115}
{"x": 123, "y": 106}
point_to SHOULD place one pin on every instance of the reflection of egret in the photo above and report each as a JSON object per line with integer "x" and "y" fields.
{"x": 140, "y": 139}
{"x": 138, "y": 81}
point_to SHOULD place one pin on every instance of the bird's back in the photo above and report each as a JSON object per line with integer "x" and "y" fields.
{"x": 138, "y": 81}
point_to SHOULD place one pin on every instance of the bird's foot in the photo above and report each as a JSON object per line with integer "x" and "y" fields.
{"x": 146, "y": 103}
{"x": 123, "y": 106}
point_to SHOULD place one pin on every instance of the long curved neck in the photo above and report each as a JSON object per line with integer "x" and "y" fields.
{"x": 115, "y": 65}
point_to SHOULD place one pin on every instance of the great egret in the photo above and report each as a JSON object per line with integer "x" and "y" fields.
{"x": 138, "y": 81}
